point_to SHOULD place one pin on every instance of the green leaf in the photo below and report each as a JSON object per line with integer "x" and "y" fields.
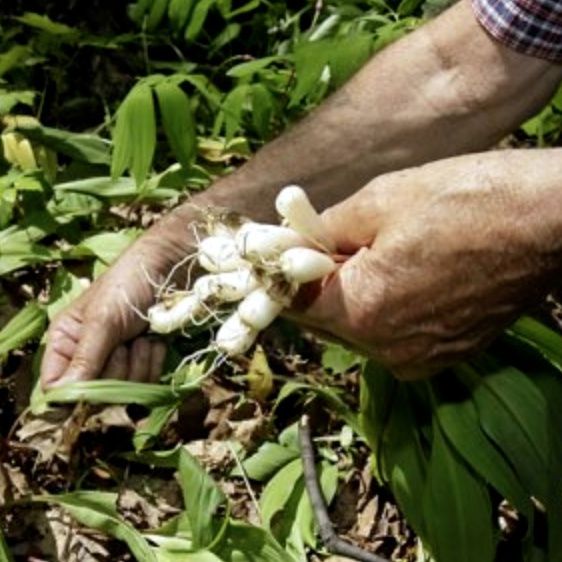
{"x": 12, "y": 58}
{"x": 185, "y": 556}
{"x": 84, "y": 147}
{"x": 202, "y": 498}
{"x": 233, "y": 107}
{"x": 18, "y": 249}
{"x": 108, "y": 246}
{"x": 457, "y": 508}
{"x": 246, "y": 69}
{"x": 46, "y": 24}
{"x": 513, "y": 414}
{"x": 535, "y": 334}
{"x": 310, "y": 61}
{"x": 267, "y": 460}
{"x": 117, "y": 392}
{"x": 143, "y": 128}
{"x": 198, "y": 17}
{"x": 178, "y": 12}
{"x": 98, "y": 511}
{"x": 27, "y": 324}
{"x": 347, "y": 55}
{"x": 459, "y": 422}
{"x": 262, "y": 109}
{"x": 377, "y": 393}
{"x": 147, "y": 433}
{"x": 66, "y": 288}
{"x": 156, "y": 14}
{"x": 8, "y": 100}
{"x": 178, "y": 122}
{"x": 5, "y": 554}
{"x": 245, "y": 543}
{"x": 339, "y": 359}
{"x": 404, "y": 461}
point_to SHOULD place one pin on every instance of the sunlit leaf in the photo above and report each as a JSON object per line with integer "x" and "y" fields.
{"x": 457, "y": 508}
{"x": 178, "y": 122}
{"x": 267, "y": 460}
{"x": 98, "y": 510}
{"x": 26, "y": 325}
{"x": 197, "y": 19}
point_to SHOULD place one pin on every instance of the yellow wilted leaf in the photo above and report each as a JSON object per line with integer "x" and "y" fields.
{"x": 260, "y": 376}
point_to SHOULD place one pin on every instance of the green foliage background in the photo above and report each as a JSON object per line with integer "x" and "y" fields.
{"x": 164, "y": 96}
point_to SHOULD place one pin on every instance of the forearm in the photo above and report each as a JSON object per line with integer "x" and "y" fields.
{"x": 446, "y": 89}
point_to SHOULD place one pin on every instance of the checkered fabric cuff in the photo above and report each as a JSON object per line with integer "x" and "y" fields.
{"x": 532, "y": 27}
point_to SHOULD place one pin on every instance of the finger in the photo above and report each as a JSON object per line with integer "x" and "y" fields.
{"x": 157, "y": 359}
{"x": 140, "y": 360}
{"x": 354, "y": 222}
{"x": 64, "y": 346}
{"x": 349, "y": 302}
{"x": 96, "y": 343}
{"x": 64, "y": 331}
{"x": 117, "y": 366}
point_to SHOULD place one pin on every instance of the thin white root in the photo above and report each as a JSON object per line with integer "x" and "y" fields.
{"x": 235, "y": 337}
{"x": 294, "y": 206}
{"x": 303, "y": 265}
{"x": 173, "y": 271}
{"x": 258, "y": 310}
{"x": 135, "y": 308}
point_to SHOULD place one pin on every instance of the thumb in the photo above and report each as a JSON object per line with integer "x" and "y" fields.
{"x": 347, "y": 303}
{"x": 354, "y": 222}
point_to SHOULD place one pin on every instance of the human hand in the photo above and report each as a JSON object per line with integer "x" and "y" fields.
{"x": 442, "y": 257}
{"x": 88, "y": 339}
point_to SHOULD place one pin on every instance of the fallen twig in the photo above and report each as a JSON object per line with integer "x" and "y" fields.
{"x": 333, "y": 543}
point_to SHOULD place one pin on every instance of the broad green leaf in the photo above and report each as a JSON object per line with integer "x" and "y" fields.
{"x": 459, "y": 422}
{"x": 108, "y": 246}
{"x": 457, "y": 508}
{"x": 5, "y": 554}
{"x": 178, "y": 12}
{"x": 84, "y": 147}
{"x": 377, "y": 393}
{"x": 279, "y": 490}
{"x": 233, "y": 108}
{"x": 403, "y": 460}
{"x": 123, "y": 137}
{"x": 118, "y": 392}
{"x": 156, "y": 14}
{"x": 27, "y": 324}
{"x": 12, "y": 58}
{"x": 66, "y": 288}
{"x": 120, "y": 188}
{"x": 245, "y": 543}
{"x": 197, "y": 19}
{"x": 147, "y": 433}
{"x": 8, "y": 100}
{"x": 202, "y": 498}
{"x": 226, "y": 36}
{"x": 329, "y": 395}
{"x": 267, "y": 460}
{"x": 310, "y": 61}
{"x": 262, "y": 109}
{"x": 347, "y": 55}
{"x": 143, "y": 129}
{"x": 163, "y": 555}
{"x": 46, "y": 24}
{"x": 19, "y": 249}
{"x": 248, "y": 68}
{"x": 408, "y": 7}
{"x": 178, "y": 122}
{"x": 339, "y": 359}
{"x": 248, "y": 7}
{"x": 513, "y": 414}
{"x": 546, "y": 341}
{"x": 98, "y": 511}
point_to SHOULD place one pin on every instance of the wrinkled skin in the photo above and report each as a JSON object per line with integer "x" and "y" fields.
{"x": 443, "y": 257}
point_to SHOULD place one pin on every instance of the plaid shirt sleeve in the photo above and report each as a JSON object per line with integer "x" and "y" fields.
{"x": 532, "y": 27}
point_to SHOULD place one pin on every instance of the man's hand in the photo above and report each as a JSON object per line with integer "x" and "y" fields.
{"x": 443, "y": 257}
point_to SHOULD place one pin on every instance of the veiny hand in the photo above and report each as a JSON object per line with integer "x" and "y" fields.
{"x": 91, "y": 338}
{"x": 442, "y": 257}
